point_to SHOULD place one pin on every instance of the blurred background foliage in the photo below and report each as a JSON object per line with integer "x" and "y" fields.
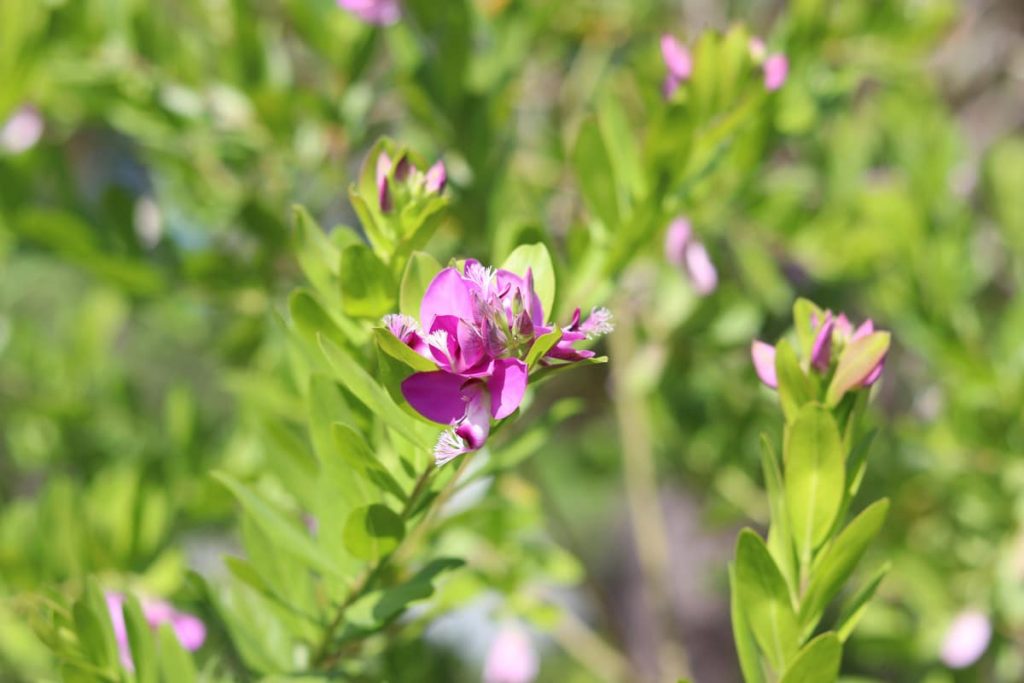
{"x": 145, "y": 248}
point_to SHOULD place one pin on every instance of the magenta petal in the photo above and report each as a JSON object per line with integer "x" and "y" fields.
{"x": 436, "y": 396}
{"x": 115, "y": 606}
{"x": 507, "y": 385}
{"x": 763, "y": 356}
{"x": 821, "y": 352}
{"x": 875, "y": 373}
{"x": 383, "y": 193}
{"x": 471, "y": 346}
{"x": 677, "y": 57}
{"x": 776, "y": 68}
{"x": 700, "y": 269}
{"x": 447, "y": 294}
{"x": 677, "y": 237}
{"x": 476, "y": 425}
{"x": 436, "y": 178}
{"x": 867, "y": 327}
{"x": 191, "y": 632}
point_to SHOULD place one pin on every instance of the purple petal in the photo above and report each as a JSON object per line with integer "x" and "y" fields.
{"x": 382, "y": 12}
{"x": 843, "y": 326}
{"x": 402, "y": 169}
{"x": 191, "y": 632}
{"x": 383, "y": 193}
{"x": 776, "y": 68}
{"x": 677, "y": 237}
{"x": 436, "y": 395}
{"x": 763, "y": 356}
{"x": 821, "y": 352}
{"x": 475, "y": 426}
{"x": 447, "y": 294}
{"x": 866, "y": 328}
{"x": 677, "y": 57}
{"x": 875, "y": 373}
{"x": 115, "y": 606}
{"x": 700, "y": 269}
{"x": 436, "y": 178}
{"x": 669, "y": 86}
{"x": 507, "y": 386}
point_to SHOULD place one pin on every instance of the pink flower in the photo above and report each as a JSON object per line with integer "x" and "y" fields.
{"x": 776, "y": 68}
{"x": 404, "y": 177}
{"x": 189, "y": 629}
{"x": 381, "y": 12}
{"x": 677, "y": 61}
{"x": 22, "y": 130}
{"x": 685, "y": 252}
{"x": 478, "y": 325}
{"x": 511, "y": 658}
{"x": 966, "y": 639}
{"x": 832, "y": 335}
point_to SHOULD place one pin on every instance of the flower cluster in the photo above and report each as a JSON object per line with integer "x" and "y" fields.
{"x": 189, "y": 630}
{"x": 478, "y": 325}
{"x": 381, "y": 12}
{"x": 405, "y": 179}
{"x": 687, "y": 253}
{"x": 833, "y": 335}
{"x": 679, "y": 64}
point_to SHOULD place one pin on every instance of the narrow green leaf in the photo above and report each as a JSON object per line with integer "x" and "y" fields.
{"x": 391, "y": 345}
{"x": 536, "y": 257}
{"x": 311, "y": 319}
{"x": 814, "y": 476}
{"x": 419, "y": 271}
{"x": 746, "y": 649}
{"x": 855, "y": 607}
{"x": 140, "y": 639}
{"x": 367, "y": 288}
{"x": 780, "y": 540}
{"x": 94, "y": 628}
{"x": 358, "y": 456}
{"x": 805, "y": 312}
{"x": 857, "y": 360}
{"x": 542, "y": 345}
{"x": 372, "y": 532}
{"x": 796, "y": 388}
{"x": 286, "y": 535}
{"x": 176, "y": 665}
{"x": 317, "y": 255}
{"x": 839, "y": 561}
{"x": 764, "y": 599}
{"x": 593, "y": 167}
{"x": 817, "y": 662}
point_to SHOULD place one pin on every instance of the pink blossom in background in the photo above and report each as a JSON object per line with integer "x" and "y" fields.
{"x": 966, "y": 639}
{"x": 776, "y": 68}
{"x": 404, "y": 172}
{"x": 189, "y": 629}
{"x": 677, "y": 61}
{"x": 22, "y": 130}
{"x": 477, "y": 326}
{"x": 511, "y": 658}
{"x": 688, "y": 254}
{"x": 381, "y": 12}
{"x": 757, "y": 49}
{"x": 831, "y": 334}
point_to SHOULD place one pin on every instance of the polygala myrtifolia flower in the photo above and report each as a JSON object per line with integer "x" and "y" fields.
{"x": 685, "y": 252}
{"x": 677, "y": 62}
{"x": 775, "y": 66}
{"x": 381, "y": 12}
{"x": 189, "y": 630}
{"x": 851, "y": 358}
{"x": 478, "y": 325}
{"x": 404, "y": 179}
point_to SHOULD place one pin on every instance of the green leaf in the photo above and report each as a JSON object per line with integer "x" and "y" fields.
{"x": 780, "y": 540}
{"x": 817, "y": 662}
{"x": 593, "y": 167}
{"x": 542, "y": 345}
{"x": 856, "y": 361}
{"x": 357, "y": 455}
{"x": 94, "y": 628}
{"x": 535, "y": 257}
{"x": 311, "y": 319}
{"x": 176, "y": 665}
{"x": 391, "y": 345}
{"x": 796, "y": 388}
{"x": 140, "y": 639}
{"x": 805, "y": 312}
{"x": 372, "y": 532}
{"x": 838, "y": 562}
{"x": 814, "y": 476}
{"x": 376, "y": 609}
{"x": 285, "y": 535}
{"x": 317, "y": 255}
{"x": 746, "y": 649}
{"x": 367, "y": 288}
{"x": 855, "y": 607}
{"x": 419, "y": 271}
{"x": 375, "y": 397}
{"x": 764, "y": 599}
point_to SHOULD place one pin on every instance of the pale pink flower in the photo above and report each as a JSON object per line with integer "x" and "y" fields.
{"x": 381, "y": 12}
{"x": 966, "y": 639}
{"x": 511, "y": 658}
{"x": 22, "y": 130}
